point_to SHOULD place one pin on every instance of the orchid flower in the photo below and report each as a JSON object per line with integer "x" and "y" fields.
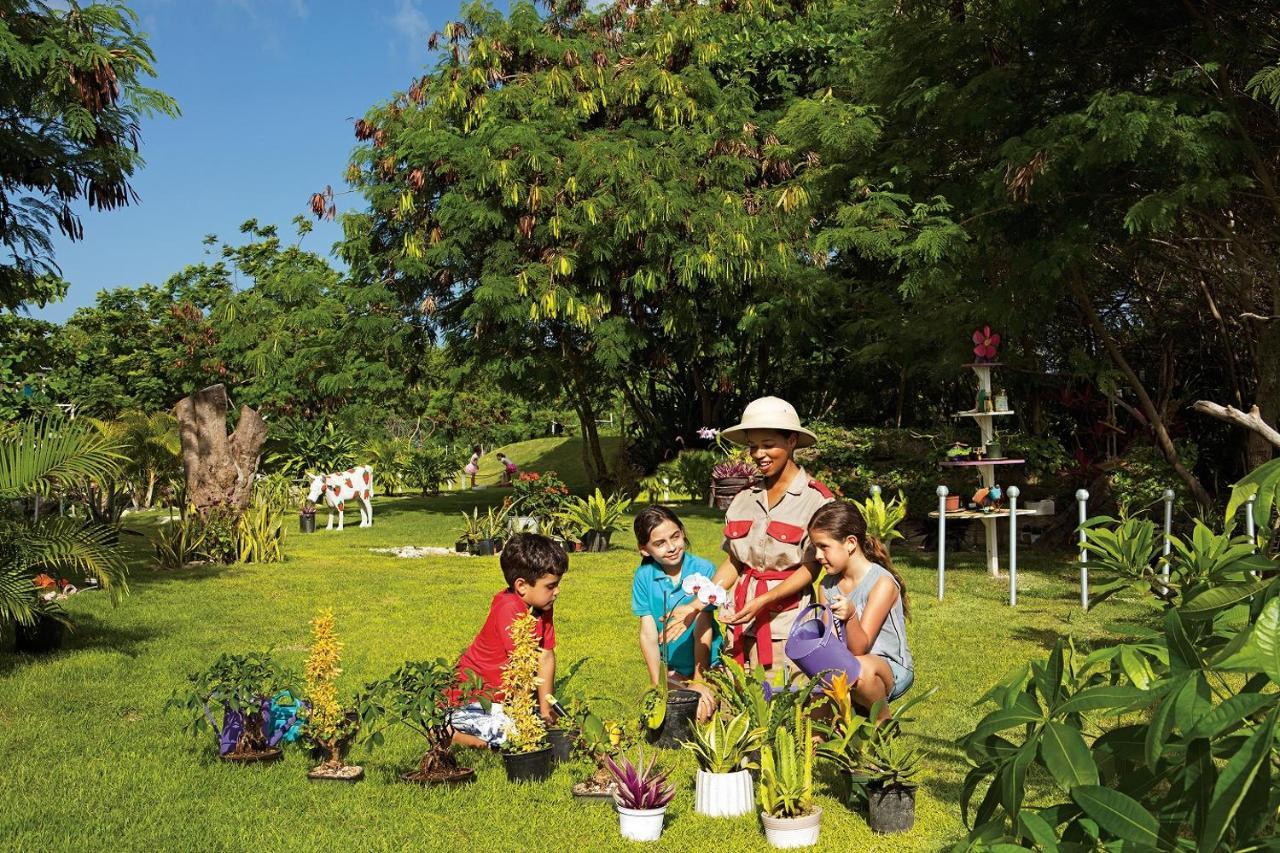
{"x": 695, "y": 582}
{"x": 712, "y": 594}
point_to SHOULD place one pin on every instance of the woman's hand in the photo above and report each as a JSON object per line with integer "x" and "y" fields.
{"x": 747, "y": 612}
{"x": 843, "y": 609}
{"x": 679, "y": 621}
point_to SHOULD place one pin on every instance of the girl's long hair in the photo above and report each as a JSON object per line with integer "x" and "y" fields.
{"x": 841, "y": 520}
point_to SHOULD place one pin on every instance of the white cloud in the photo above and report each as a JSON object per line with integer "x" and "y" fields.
{"x": 412, "y": 28}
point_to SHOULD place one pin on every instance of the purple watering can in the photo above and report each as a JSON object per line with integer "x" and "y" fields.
{"x": 818, "y": 647}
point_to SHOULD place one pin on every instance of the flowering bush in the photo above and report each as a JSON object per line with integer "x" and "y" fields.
{"x": 540, "y": 494}
{"x": 526, "y": 732}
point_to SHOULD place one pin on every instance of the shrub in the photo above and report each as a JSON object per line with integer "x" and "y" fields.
{"x": 1141, "y": 475}
{"x": 691, "y": 472}
{"x": 537, "y": 494}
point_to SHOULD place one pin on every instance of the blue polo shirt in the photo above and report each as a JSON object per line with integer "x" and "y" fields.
{"x": 653, "y": 594}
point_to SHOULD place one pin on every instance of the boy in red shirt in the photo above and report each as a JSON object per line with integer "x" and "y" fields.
{"x": 532, "y": 566}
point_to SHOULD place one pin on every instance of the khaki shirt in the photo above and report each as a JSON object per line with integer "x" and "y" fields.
{"x": 770, "y": 539}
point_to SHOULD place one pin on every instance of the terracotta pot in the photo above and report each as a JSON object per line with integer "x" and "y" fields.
{"x": 953, "y": 503}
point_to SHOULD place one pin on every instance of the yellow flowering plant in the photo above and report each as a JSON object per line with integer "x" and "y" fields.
{"x": 329, "y": 726}
{"x": 526, "y": 732}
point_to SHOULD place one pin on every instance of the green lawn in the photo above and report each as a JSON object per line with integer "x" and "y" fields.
{"x": 562, "y": 455}
{"x": 90, "y": 761}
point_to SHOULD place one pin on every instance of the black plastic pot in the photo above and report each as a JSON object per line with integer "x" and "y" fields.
{"x": 595, "y": 541}
{"x": 677, "y": 725}
{"x": 40, "y": 638}
{"x": 483, "y": 548}
{"x": 891, "y": 809}
{"x": 528, "y": 766}
{"x": 462, "y": 546}
{"x": 561, "y": 744}
{"x": 307, "y": 523}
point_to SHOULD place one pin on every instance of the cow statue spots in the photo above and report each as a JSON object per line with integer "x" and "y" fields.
{"x": 341, "y": 487}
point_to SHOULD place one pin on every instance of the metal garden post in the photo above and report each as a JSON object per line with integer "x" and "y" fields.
{"x": 942, "y": 539}
{"x": 1249, "y": 528}
{"x": 1082, "y": 498}
{"x": 1013, "y": 493}
{"x": 1168, "y": 528}
{"x": 875, "y": 491}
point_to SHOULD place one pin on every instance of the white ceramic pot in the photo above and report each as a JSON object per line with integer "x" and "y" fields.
{"x": 641, "y": 824}
{"x": 792, "y": 831}
{"x": 724, "y": 794}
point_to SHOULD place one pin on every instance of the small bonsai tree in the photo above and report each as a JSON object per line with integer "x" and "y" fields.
{"x": 423, "y": 697}
{"x": 242, "y": 686}
{"x": 526, "y": 732}
{"x": 329, "y": 726}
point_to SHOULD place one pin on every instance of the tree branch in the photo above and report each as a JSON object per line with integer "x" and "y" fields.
{"x": 1251, "y": 421}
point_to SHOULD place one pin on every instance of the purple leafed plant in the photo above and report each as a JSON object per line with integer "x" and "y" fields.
{"x": 736, "y": 468}
{"x": 640, "y": 786}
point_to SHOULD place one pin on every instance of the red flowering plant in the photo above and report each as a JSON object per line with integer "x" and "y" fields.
{"x": 541, "y": 495}
{"x": 985, "y": 342}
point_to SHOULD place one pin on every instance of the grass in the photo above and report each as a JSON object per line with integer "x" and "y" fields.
{"x": 90, "y": 760}
{"x": 560, "y": 454}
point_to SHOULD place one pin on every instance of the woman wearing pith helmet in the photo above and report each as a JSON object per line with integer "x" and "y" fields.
{"x": 770, "y": 564}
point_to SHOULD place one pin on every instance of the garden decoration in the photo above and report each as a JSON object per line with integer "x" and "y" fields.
{"x": 724, "y": 787}
{"x": 786, "y": 786}
{"x": 421, "y": 696}
{"x": 526, "y": 752}
{"x": 329, "y": 726}
{"x": 642, "y": 797}
{"x": 243, "y": 687}
{"x": 353, "y": 484}
{"x": 593, "y": 519}
{"x": 985, "y": 458}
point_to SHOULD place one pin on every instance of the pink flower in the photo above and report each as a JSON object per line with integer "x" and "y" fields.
{"x": 985, "y": 342}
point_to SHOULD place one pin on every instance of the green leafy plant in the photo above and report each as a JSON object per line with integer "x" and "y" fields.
{"x": 237, "y": 685}
{"x": 721, "y": 746}
{"x": 691, "y": 472}
{"x": 473, "y": 526}
{"x": 493, "y": 525}
{"x": 886, "y": 761}
{"x": 260, "y": 528}
{"x": 305, "y": 447}
{"x": 179, "y": 541}
{"x": 770, "y": 709}
{"x": 540, "y": 494}
{"x": 1119, "y": 553}
{"x": 883, "y": 518}
{"x": 786, "y": 770}
{"x": 428, "y": 466}
{"x": 594, "y": 514}
{"x": 421, "y": 696}
{"x": 390, "y": 457}
{"x": 1167, "y": 741}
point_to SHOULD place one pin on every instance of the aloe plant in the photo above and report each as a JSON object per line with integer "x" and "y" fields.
{"x": 640, "y": 785}
{"x": 721, "y": 746}
{"x": 786, "y": 771}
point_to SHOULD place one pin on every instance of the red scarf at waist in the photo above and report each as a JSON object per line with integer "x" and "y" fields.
{"x": 764, "y": 634}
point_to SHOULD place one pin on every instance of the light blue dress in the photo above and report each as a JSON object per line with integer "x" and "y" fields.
{"x": 891, "y": 642}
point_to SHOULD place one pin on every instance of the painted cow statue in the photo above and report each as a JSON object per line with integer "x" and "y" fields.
{"x": 354, "y": 484}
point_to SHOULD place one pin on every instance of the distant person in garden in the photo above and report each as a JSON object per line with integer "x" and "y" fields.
{"x": 868, "y": 595}
{"x": 509, "y": 468}
{"x": 473, "y": 466}
{"x": 770, "y": 566}
{"x": 667, "y": 578}
{"x": 532, "y": 566}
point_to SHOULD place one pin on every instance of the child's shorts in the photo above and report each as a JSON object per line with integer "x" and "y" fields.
{"x": 471, "y": 469}
{"x": 490, "y": 728}
{"x": 903, "y": 678}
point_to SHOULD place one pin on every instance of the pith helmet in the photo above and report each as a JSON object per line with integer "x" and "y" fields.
{"x": 770, "y": 413}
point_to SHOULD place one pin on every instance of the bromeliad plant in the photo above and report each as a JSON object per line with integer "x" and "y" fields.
{"x": 1167, "y": 741}
{"x": 867, "y": 751}
{"x": 422, "y": 696}
{"x": 722, "y": 746}
{"x": 594, "y": 514}
{"x": 640, "y": 786}
{"x": 241, "y": 687}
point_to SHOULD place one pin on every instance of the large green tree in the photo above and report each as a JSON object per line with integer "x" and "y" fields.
{"x": 71, "y": 102}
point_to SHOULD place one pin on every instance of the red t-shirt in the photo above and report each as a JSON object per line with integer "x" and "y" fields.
{"x": 488, "y": 652}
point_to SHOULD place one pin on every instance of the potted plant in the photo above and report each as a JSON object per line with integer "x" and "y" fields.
{"x": 601, "y": 740}
{"x": 526, "y": 753}
{"x": 642, "y": 797}
{"x": 770, "y": 708}
{"x": 421, "y": 696}
{"x": 728, "y": 478}
{"x": 49, "y": 622}
{"x": 994, "y": 448}
{"x": 241, "y": 687}
{"x": 886, "y": 769}
{"x": 594, "y": 518}
{"x": 540, "y": 495}
{"x": 307, "y": 518}
{"x": 724, "y": 786}
{"x": 786, "y": 787}
{"x": 329, "y": 726}
{"x": 473, "y": 531}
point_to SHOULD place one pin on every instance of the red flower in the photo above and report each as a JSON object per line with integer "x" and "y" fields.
{"x": 986, "y": 342}
{"x": 43, "y": 581}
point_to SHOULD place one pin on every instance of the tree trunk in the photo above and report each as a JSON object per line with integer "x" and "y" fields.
{"x": 1267, "y": 395}
{"x": 219, "y": 468}
{"x": 1163, "y": 439}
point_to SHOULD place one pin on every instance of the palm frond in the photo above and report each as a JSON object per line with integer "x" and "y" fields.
{"x": 66, "y": 545}
{"x": 41, "y": 456}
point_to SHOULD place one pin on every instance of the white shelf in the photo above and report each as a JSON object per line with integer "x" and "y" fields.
{"x": 982, "y": 414}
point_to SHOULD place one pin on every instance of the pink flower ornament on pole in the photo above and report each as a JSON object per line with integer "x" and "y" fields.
{"x": 985, "y": 342}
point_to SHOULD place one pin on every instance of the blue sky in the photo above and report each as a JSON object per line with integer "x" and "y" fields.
{"x": 268, "y": 91}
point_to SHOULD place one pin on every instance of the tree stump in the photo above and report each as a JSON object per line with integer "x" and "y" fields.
{"x": 219, "y": 468}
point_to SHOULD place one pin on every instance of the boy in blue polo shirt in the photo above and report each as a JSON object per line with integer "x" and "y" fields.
{"x": 658, "y": 588}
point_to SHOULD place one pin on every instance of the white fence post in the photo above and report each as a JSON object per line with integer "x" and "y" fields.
{"x": 1013, "y": 493}
{"x": 1082, "y": 498}
{"x": 942, "y": 540}
{"x": 1168, "y": 528}
{"x": 1249, "y": 528}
